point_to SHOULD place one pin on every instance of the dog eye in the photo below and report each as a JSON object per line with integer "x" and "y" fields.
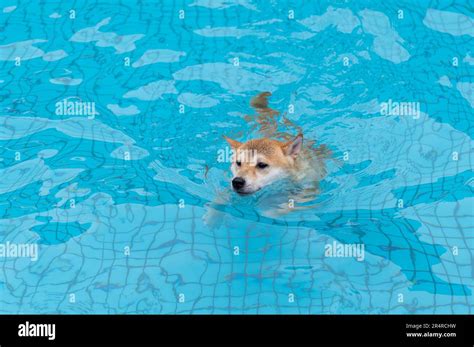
{"x": 262, "y": 165}
{"x": 238, "y": 163}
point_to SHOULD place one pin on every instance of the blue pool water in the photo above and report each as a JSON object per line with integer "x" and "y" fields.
{"x": 121, "y": 202}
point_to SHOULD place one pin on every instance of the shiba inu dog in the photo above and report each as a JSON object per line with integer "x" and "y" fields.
{"x": 260, "y": 162}
{"x": 272, "y": 157}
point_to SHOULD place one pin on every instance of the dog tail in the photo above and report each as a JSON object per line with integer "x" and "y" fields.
{"x": 260, "y": 101}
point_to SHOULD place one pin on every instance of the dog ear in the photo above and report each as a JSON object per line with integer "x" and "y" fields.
{"x": 294, "y": 146}
{"x": 232, "y": 143}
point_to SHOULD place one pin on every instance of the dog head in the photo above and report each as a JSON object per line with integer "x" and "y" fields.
{"x": 258, "y": 163}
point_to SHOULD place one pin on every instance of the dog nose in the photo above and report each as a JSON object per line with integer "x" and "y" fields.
{"x": 238, "y": 183}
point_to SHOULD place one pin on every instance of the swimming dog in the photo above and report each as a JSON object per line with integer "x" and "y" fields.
{"x": 275, "y": 155}
{"x": 260, "y": 162}
{"x": 263, "y": 161}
